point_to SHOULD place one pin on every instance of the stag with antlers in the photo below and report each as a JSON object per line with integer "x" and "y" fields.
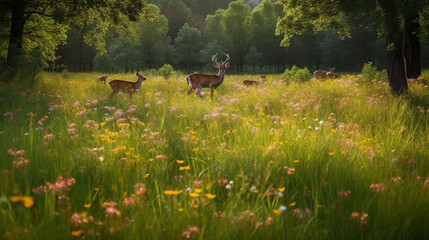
{"x": 212, "y": 81}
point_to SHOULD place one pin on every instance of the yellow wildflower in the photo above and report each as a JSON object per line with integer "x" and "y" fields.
{"x": 210, "y": 196}
{"x": 292, "y": 204}
{"x": 180, "y": 161}
{"x": 185, "y": 168}
{"x": 77, "y": 233}
{"x": 277, "y": 212}
{"x": 172, "y": 192}
{"x": 194, "y": 194}
{"x": 281, "y": 189}
{"x": 198, "y": 190}
{"x": 27, "y": 201}
{"x": 180, "y": 209}
{"x": 331, "y": 153}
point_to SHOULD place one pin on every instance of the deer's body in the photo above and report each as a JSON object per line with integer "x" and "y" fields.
{"x": 254, "y": 82}
{"x": 102, "y": 78}
{"x": 324, "y": 74}
{"x": 250, "y": 82}
{"x": 125, "y": 86}
{"x": 199, "y": 81}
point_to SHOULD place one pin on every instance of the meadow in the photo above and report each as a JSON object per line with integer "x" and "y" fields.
{"x": 334, "y": 159}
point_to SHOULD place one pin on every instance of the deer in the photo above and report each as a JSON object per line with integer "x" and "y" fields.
{"x": 199, "y": 81}
{"x": 102, "y": 78}
{"x": 254, "y": 82}
{"x": 125, "y": 86}
{"x": 324, "y": 74}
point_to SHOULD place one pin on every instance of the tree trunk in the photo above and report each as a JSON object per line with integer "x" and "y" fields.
{"x": 412, "y": 46}
{"x": 15, "y": 38}
{"x": 395, "y": 59}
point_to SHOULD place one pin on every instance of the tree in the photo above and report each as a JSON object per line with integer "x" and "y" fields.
{"x": 384, "y": 15}
{"x": 262, "y": 33}
{"x": 253, "y": 58}
{"x": 188, "y": 43}
{"x": 216, "y": 30}
{"x": 149, "y": 33}
{"x": 237, "y": 22}
{"x": 25, "y": 17}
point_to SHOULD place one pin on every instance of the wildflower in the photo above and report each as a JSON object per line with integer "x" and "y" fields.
{"x": 253, "y": 189}
{"x": 277, "y": 212}
{"x": 292, "y": 204}
{"x": 172, "y": 192}
{"x": 375, "y": 187}
{"x": 198, "y": 190}
{"x": 111, "y": 211}
{"x": 180, "y": 209}
{"x": 187, "y": 232}
{"x": 331, "y": 153}
{"x": 27, "y": 201}
{"x": 210, "y": 196}
{"x": 194, "y": 194}
{"x": 228, "y": 186}
{"x": 76, "y": 104}
{"x": 197, "y": 184}
{"x": 282, "y": 208}
{"x": 118, "y": 113}
{"x": 75, "y": 219}
{"x": 281, "y": 189}
{"x": 147, "y": 105}
{"x": 185, "y": 168}
{"x": 301, "y": 214}
{"x": 289, "y": 171}
{"x": 77, "y": 233}
{"x": 49, "y": 137}
{"x": 344, "y": 195}
{"x": 180, "y": 161}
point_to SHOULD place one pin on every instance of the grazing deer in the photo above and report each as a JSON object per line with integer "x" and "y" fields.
{"x": 254, "y": 82}
{"x": 212, "y": 81}
{"x": 127, "y": 87}
{"x": 324, "y": 74}
{"x": 102, "y": 78}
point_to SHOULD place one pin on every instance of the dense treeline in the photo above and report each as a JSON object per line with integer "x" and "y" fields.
{"x": 186, "y": 33}
{"x": 99, "y": 36}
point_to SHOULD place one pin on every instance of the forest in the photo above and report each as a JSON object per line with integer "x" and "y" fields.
{"x": 185, "y": 33}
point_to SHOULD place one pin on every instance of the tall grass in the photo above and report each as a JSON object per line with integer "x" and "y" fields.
{"x": 334, "y": 159}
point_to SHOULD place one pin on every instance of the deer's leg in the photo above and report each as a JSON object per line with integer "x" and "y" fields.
{"x": 191, "y": 90}
{"x": 199, "y": 90}
{"x": 211, "y": 90}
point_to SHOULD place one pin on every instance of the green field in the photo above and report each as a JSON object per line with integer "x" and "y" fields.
{"x": 333, "y": 159}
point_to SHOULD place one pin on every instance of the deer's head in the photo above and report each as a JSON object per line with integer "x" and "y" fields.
{"x": 221, "y": 65}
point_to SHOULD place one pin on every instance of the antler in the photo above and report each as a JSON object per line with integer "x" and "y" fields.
{"x": 214, "y": 58}
{"x": 227, "y": 58}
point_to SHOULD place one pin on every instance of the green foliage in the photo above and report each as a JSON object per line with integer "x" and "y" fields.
{"x": 166, "y": 71}
{"x": 237, "y": 22}
{"x": 296, "y": 74}
{"x": 188, "y": 46}
{"x": 369, "y": 72}
{"x": 102, "y": 63}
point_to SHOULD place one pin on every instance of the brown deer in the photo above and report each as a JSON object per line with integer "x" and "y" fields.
{"x": 102, "y": 78}
{"x": 254, "y": 82}
{"x": 212, "y": 81}
{"x": 127, "y": 87}
{"x": 324, "y": 74}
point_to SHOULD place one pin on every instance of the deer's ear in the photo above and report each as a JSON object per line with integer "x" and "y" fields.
{"x": 216, "y": 64}
{"x": 227, "y": 65}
